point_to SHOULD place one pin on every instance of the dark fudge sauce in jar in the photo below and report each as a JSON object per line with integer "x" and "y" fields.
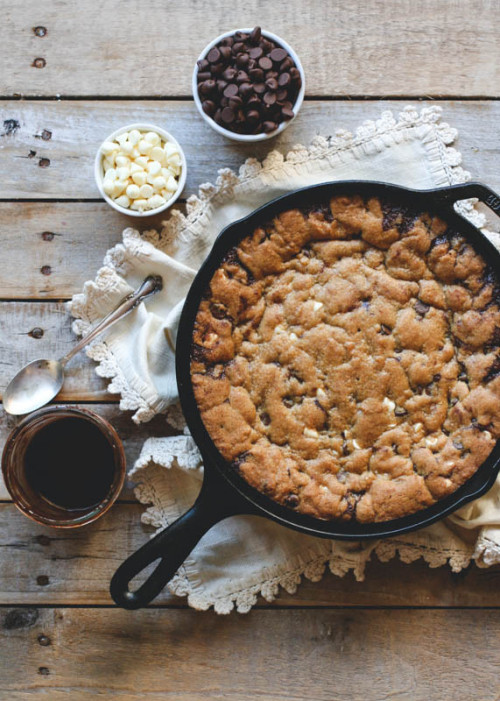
{"x": 70, "y": 464}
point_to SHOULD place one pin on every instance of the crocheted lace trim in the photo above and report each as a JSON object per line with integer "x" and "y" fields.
{"x": 184, "y": 227}
{"x": 182, "y": 452}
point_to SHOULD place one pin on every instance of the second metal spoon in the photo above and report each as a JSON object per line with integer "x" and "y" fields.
{"x": 39, "y": 381}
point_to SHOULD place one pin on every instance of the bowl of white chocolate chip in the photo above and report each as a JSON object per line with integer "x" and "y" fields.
{"x": 140, "y": 170}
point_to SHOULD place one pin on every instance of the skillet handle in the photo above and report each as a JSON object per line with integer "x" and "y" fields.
{"x": 450, "y": 195}
{"x": 172, "y": 545}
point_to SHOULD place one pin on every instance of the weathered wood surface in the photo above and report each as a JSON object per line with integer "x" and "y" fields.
{"x": 319, "y": 655}
{"x": 398, "y": 47}
{"x": 62, "y": 167}
{"x": 132, "y": 435}
{"x": 52, "y": 567}
{"x": 31, "y": 330}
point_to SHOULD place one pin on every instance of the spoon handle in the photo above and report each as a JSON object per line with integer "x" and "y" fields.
{"x": 151, "y": 285}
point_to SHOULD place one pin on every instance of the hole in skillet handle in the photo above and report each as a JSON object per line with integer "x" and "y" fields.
{"x": 172, "y": 545}
{"x": 454, "y": 193}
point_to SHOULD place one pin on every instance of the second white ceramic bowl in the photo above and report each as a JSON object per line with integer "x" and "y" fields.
{"x": 249, "y": 138}
{"x": 99, "y": 171}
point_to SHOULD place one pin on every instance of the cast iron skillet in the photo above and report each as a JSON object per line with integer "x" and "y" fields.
{"x": 224, "y": 493}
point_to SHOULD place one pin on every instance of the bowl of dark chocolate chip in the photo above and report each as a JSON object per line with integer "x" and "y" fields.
{"x": 248, "y": 84}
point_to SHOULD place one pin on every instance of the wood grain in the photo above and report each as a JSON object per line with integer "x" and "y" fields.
{"x": 20, "y": 326}
{"x": 78, "y": 127}
{"x": 50, "y": 567}
{"x": 272, "y": 655}
{"x": 132, "y": 435}
{"x": 442, "y": 48}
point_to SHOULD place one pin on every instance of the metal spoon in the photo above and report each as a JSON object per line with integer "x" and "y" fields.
{"x": 39, "y": 381}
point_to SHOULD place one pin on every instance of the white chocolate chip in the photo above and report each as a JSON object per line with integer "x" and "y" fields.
{"x": 123, "y": 201}
{"x": 170, "y": 149}
{"x": 156, "y": 201}
{"x": 429, "y": 441}
{"x": 123, "y": 172}
{"x": 310, "y": 433}
{"x": 159, "y": 155}
{"x": 141, "y": 161}
{"x": 109, "y": 147}
{"x": 127, "y": 148}
{"x": 134, "y": 136}
{"x": 417, "y": 426}
{"x": 356, "y": 444}
{"x": 139, "y": 205}
{"x": 294, "y": 336}
{"x": 110, "y": 174}
{"x": 122, "y": 138}
{"x": 317, "y": 305}
{"x": 152, "y": 137}
{"x": 146, "y": 191}
{"x": 139, "y": 178}
{"x": 172, "y": 184}
{"x": 122, "y": 161}
{"x": 144, "y": 146}
{"x": 133, "y": 191}
{"x": 153, "y": 167}
{"x": 118, "y": 187}
{"x": 108, "y": 186}
{"x": 321, "y": 394}
{"x": 389, "y": 404}
{"x": 159, "y": 183}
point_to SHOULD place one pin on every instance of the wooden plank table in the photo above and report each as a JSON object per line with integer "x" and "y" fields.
{"x": 73, "y": 72}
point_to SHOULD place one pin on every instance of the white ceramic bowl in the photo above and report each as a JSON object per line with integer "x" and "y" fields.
{"x": 99, "y": 170}
{"x": 249, "y": 138}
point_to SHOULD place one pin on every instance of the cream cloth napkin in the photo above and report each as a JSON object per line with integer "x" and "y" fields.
{"x": 243, "y": 557}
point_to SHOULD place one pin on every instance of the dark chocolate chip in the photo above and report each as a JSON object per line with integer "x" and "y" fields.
{"x": 255, "y": 36}
{"x": 265, "y": 418}
{"x": 278, "y": 55}
{"x": 269, "y": 98}
{"x": 225, "y": 52}
{"x": 265, "y": 63}
{"x": 256, "y": 52}
{"x": 287, "y": 113}
{"x": 238, "y": 47}
{"x": 235, "y": 102}
{"x": 284, "y": 80}
{"x": 218, "y": 68}
{"x": 231, "y": 90}
{"x": 421, "y": 308}
{"x": 229, "y": 74}
{"x": 242, "y": 60}
{"x": 202, "y": 64}
{"x": 245, "y": 89}
{"x": 256, "y": 74}
{"x": 291, "y": 500}
{"x": 287, "y": 64}
{"x": 259, "y": 88}
{"x": 269, "y": 126}
{"x": 272, "y": 84}
{"x": 281, "y": 95}
{"x": 207, "y": 87}
{"x": 213, "y": 55}
{"x": 253, "y": 116}
{"x": 242, "y": 77}
{"x": 203, "y": 75}
{"x": 208, "y": 107}
{"x": 227, "y": 115}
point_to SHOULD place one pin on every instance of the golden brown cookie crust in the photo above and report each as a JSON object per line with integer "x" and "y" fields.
{"x": 346, "y": 360}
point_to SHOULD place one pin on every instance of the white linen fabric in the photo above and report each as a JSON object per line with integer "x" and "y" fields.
{"x": 245, "y": 556}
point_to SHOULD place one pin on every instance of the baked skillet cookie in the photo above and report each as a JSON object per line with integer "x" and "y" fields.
{"x": 345, "y": 360}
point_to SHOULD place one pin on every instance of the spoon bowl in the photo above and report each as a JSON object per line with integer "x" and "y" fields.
{"x": 39, "y": 381}
{"x": 33, "y": 386}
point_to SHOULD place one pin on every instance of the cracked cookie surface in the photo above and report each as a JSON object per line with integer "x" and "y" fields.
{"x": 345, "y": 360}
